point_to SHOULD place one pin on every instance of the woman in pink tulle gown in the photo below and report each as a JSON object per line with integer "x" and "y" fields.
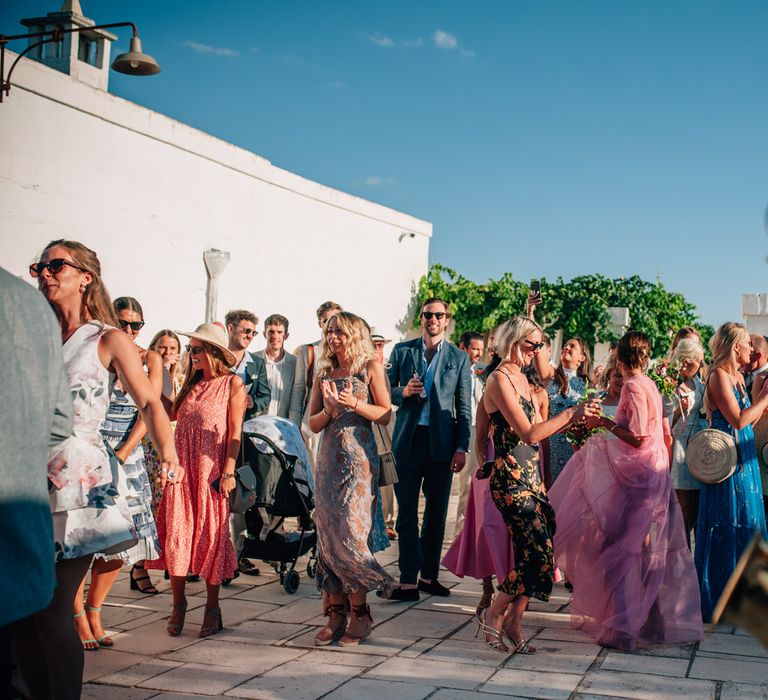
{"x": 620, "y": 535}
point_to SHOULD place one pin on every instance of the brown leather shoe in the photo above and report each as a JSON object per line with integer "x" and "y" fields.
{"x": 360, "y": 612}
{"x": 334, "y": 628}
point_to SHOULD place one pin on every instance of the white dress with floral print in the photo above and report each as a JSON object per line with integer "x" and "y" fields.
{"x": 88, "y": 514}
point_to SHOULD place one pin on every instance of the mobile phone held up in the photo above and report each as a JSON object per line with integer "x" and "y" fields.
{"x": 535, "y": 290}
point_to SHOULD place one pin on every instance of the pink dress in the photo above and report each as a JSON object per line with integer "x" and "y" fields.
{"x": 620, "y": 536}
{"x": 193, "y": 519}
{"x": 483, "y": 547}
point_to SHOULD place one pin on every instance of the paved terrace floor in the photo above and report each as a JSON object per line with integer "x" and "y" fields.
{"x": 417, "y": 650}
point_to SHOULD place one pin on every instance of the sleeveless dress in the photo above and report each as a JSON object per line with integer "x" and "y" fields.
{"x": 483, "y": 547}
{"x": 89, "y": 516}
{"x": 520, "y": 496}
{"x": 620, "y": 538}
{"x": 346, "y": 484}
{"x": 729, "y": 515}
{"x": 682, "y": 431}
{"x": 560, "y": 451}
{"x": 133, "y": 483}
{"x": 193, "y": 518}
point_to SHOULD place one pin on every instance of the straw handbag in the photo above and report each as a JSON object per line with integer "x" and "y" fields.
{"x": 712, "y": 455}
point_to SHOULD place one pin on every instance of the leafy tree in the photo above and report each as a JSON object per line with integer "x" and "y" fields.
{"x": 578, "y": 307}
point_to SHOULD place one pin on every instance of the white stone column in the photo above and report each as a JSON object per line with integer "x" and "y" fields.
{"x": 754, "y": 309}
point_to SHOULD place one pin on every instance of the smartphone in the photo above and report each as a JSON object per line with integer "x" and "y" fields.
{"x": 215, "y": 485}
{"x": 536, "y": 288}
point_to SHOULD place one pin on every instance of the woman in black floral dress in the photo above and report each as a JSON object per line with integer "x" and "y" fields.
{"x": 516, "y": 485}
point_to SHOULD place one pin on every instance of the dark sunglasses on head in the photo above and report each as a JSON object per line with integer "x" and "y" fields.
{"x": 534, "y": 346}
{"x": 136, "y": 326}
{"x": 195, "y": 349}
{"x": 429, "y": 314}
{"x": 55, "y": 266}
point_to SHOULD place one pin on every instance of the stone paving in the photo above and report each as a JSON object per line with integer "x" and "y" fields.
{"x": 417, "y": 650}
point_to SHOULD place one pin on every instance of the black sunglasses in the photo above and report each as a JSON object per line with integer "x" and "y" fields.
{"x": 55, "y": 266}
{"x": 195, "y": 349}
{"x": 534, "y": 346}
{"x": 429, "y": 314}
{"x": 136, "y": 326}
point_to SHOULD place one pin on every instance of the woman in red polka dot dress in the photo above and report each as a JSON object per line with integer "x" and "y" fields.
{"x": 193, "y": 517}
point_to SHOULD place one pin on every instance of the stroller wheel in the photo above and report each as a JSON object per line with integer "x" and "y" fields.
{"x": 312, "y": 568}
{"x": 291, "y": 581}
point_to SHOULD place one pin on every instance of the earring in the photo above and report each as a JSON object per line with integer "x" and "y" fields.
{"x": 83, "y": 287}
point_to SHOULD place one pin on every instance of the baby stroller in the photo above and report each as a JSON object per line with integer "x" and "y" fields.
{"x": 274, "y": 449}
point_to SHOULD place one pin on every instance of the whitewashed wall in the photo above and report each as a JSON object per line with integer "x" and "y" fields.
{"x": 150, "y": 194}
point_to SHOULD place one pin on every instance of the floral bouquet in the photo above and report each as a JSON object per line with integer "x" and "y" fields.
{"x": 665, "y": 377}
{"x": 577, "y": 433}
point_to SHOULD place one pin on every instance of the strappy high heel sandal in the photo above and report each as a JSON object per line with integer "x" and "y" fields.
{"x": 521, "y": 647}
{"x": 175, "y": 627}
{"x": 351, "y": 640}
{"x": 88, "y": 644}
{"x": 147, "y": 588}
{"x": 487, "y": 597}
{"x": 334, "y": 628}
{"x": 104, "y": 640}
{"x": 217, "y": 626}
{"x": 496, "y": 642}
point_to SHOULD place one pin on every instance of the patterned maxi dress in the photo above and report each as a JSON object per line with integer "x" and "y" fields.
{"x": 346, "y": 484}
{"x": 193, "y": 518}
{"x": 520, "y": 496}
{"x": 133, "y": 483}
{"x": 89, "y": 516}
{"x": 560, "y": 450}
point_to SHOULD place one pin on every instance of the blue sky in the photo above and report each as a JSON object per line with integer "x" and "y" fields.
{"x": 540, "y": 138}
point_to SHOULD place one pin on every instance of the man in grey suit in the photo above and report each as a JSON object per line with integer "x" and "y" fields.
{"x": 286, "y": 386}
{"x": 430, "y": 384}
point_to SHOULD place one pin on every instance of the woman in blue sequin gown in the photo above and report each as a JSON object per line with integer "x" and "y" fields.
{"x": 729, "y": 512}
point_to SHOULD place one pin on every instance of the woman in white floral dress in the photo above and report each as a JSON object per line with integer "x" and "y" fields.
{"x": 88, "y": 515}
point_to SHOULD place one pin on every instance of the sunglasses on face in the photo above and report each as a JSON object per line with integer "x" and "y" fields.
{"x": 534, "y": 346}
{"x": 55, "y": 266}
{"x": 247, "y": 331}
{"x": 136, "y": 326}
{"x": 429, "y": 314}
{"x": 195, "y": 349}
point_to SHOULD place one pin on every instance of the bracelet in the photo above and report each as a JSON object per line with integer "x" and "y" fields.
{"x": 357, "y": 401}
{"x": 615, "y": 425}
{"x": 227, "y": 475}
{"x": 119, "y": 460}
{"x": 330, "y": 416}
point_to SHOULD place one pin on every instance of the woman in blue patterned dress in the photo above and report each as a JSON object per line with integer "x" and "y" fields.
{"x": 86, "y": 509}
{"x": 566, "y": 386}
{"x": 351, "y": 394}
{"x": 729, "y": 512}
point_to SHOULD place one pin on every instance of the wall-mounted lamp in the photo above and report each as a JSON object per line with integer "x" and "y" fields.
{"x": 134, "y": 62}
{"x": 406, "y": 234}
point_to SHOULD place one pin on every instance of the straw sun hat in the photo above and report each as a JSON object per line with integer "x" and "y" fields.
{"x": 711, "y": 456}
{"x": 214, "y": 335}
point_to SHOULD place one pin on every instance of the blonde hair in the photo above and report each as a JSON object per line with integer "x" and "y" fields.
{"x": 509, "y": 335}
{"x": 608, "y": 370}
{"x": 359, "y": 346}
{"x": 177, "y": 369}
{"x": 96, "y": 304}
{"x": 219, "y": 368}
{"x": 722, "y": 342}
{"x": 688, "y": 350}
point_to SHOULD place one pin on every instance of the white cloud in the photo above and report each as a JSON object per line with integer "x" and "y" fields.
{"x": 412, "y": 43}
{"x": 445, "y": 40}
{"x": 211, "y": 50}
{"x": 381, "y": 40}
{"x": 376, "y": 181}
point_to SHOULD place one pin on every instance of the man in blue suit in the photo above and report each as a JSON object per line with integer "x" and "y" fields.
{"x": 431, "y": 386}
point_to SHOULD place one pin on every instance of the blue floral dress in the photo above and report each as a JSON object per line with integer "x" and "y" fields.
{"x": 89, "y": 516}
{"x": 729, "y": 514}
{"x": 560, "y": 450}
